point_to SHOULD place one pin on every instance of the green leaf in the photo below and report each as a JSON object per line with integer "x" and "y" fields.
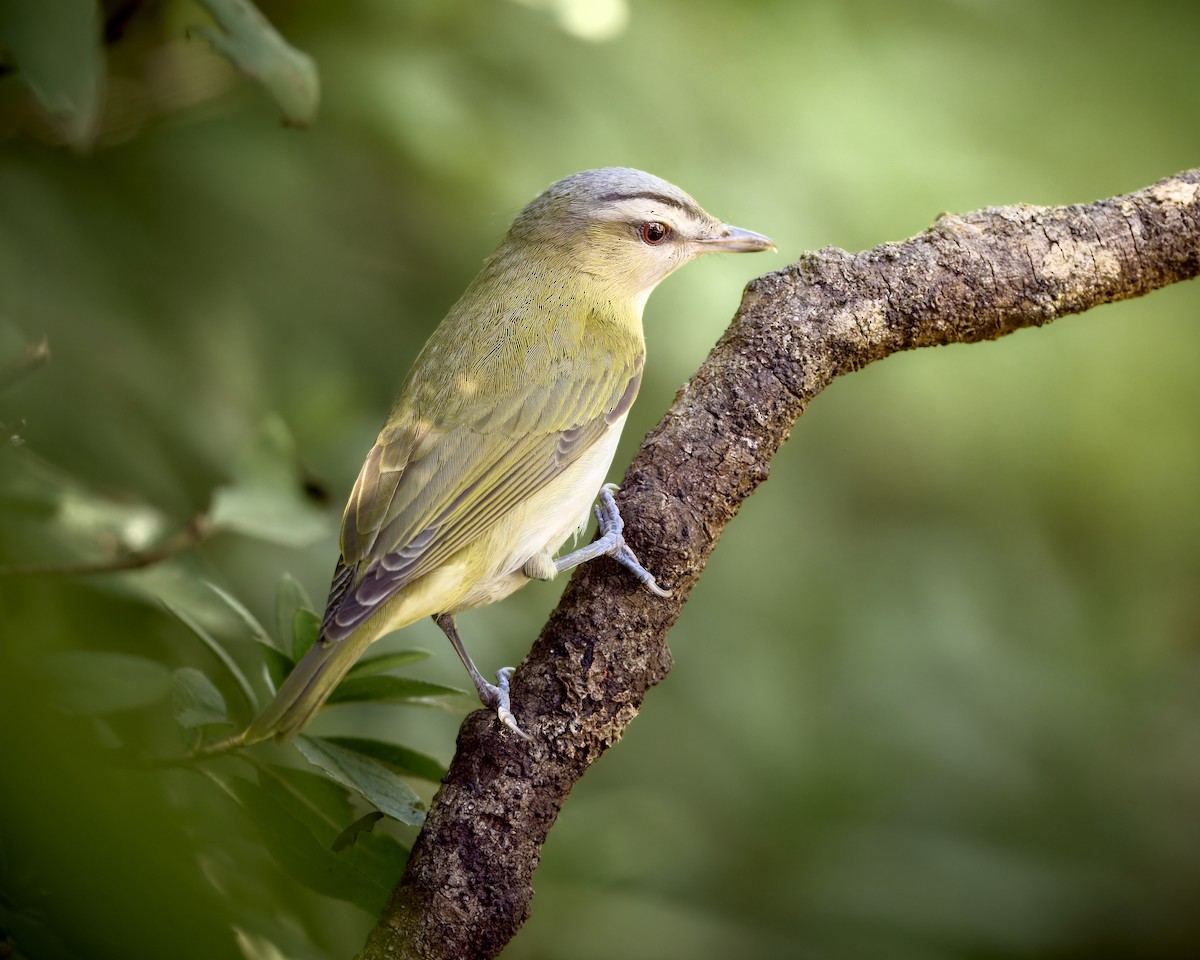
{"x": 290, "y": 596}
{"x": 254, "y": 947}
{"x": 348, "y": 837}
{"x": 28, "y": 483}
{"x": 72, "y": 523}
{"x": 219, "y": 652}
{"x": 385, "y": 689}
{"x": 256, "y": 48}
{"x": 94, "y": 683}
{"x": 15, "y": 369}
{"x": 401, "y": 759}
{"x": 324, "y": 807}
{"x": 306, "y": 627}
{"x": 196, "y": 700}
{"x": 257, "y": 630}
{"x": 303, "y": 856}
{"x": 55, "y": 46}
{"x": 382, "y": 663}
{"x": 378, "y": 783}
{"x": 266, "y": 498}
{"x": 276, "y": 665}
{"x": 320, "y": 803}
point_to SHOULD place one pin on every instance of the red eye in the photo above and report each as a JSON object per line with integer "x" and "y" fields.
{"x": 654, "y": 232}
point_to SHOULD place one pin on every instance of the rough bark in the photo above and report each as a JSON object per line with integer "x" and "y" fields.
{"x": 467, "y": 887}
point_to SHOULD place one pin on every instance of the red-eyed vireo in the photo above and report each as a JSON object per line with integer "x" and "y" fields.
{"x": 506, "y": 427}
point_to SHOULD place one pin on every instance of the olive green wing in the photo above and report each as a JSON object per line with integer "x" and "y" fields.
{"x": 429, "y": 488}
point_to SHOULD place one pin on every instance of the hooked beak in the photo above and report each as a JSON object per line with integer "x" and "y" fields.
{"x": 730, "y": 239}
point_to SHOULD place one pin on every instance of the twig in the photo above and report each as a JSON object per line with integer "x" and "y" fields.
{"x": 196, "y": 531}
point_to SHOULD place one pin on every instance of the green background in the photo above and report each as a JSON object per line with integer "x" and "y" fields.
{"x": 937, "y": 694}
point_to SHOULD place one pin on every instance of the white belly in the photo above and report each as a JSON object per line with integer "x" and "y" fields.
{"x": 546, "y": 520}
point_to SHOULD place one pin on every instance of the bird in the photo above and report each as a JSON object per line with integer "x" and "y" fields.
{"x": 505, "y": 429}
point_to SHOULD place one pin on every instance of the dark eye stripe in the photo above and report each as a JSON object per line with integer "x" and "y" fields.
{"x": 690, "y": 209}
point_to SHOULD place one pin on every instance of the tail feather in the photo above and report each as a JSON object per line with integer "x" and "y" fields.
{"x": 305, "y": 690}
{"x": 313, "y": 679}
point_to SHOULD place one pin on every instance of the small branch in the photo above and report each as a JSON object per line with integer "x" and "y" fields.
{"x": 467, "y": 886}
{"x": 195, "y": 533}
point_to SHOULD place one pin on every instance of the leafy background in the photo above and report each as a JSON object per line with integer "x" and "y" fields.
{"x": 936, "y": 696}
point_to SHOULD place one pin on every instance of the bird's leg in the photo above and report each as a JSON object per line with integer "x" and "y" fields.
{"x": 611, "y": 543}
{"x": 494, "y": 696}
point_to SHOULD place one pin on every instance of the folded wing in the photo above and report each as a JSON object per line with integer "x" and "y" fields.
{"x": 432, "y": 484}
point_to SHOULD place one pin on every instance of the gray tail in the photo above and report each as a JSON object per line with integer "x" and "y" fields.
{"x": 304, "y": 691}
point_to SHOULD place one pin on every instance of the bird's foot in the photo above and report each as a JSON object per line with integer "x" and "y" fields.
{"x": 611, "y": 543}
{"x": 496, "y": 697}
{"x": 608, "y": 517}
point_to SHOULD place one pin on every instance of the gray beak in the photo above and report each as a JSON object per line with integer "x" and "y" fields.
{"x": 729, "y": 239}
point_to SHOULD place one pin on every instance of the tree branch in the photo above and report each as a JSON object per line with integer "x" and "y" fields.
{"x": 196, "y": 532}
{"x": 467, "y": 886}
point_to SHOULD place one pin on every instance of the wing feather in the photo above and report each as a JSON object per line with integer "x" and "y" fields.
{"x": 429, "y": 487}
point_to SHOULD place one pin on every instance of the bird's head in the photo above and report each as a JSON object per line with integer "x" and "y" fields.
{"x": 623, "y": 228}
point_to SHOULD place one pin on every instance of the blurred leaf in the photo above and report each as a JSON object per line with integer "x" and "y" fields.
{"x": 94, "y": 682}
{"x": 306, "y": 627}
{"x": 254, "y": 947}
{"x": 401, "y": 759}
{"x": 290, "y": 596}
{"x": 266, "y": 498}
{"x": 592, "y": 20}
{"x": 28, "y": 483}
{"x": 26, "y": 925}
{"x": 276, "y": 665}
{"x": 219, "y": 652}
{"x": 383, "y": 689}
{"x": 376, "y": 782}
{"x": 255, "y": 47}
{"x": 322, "y": 804}
{"x": 309, "y": 861}
{"x": 55, "y": 47}
{"x": 134, "y": 526}
{"x": 32, "y": 357}
{"x": 257, "y": 630}
{"x": 196, "y": 701}
{"x": 382, "y": 663}
{"x": 71, "y": 522}
{"x": 364, "y": 824}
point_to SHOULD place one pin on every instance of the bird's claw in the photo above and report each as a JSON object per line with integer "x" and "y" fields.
{"x": 608, "y": 519}
{"x": 628, "y": 559}
{"x": 500, "y": 697}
